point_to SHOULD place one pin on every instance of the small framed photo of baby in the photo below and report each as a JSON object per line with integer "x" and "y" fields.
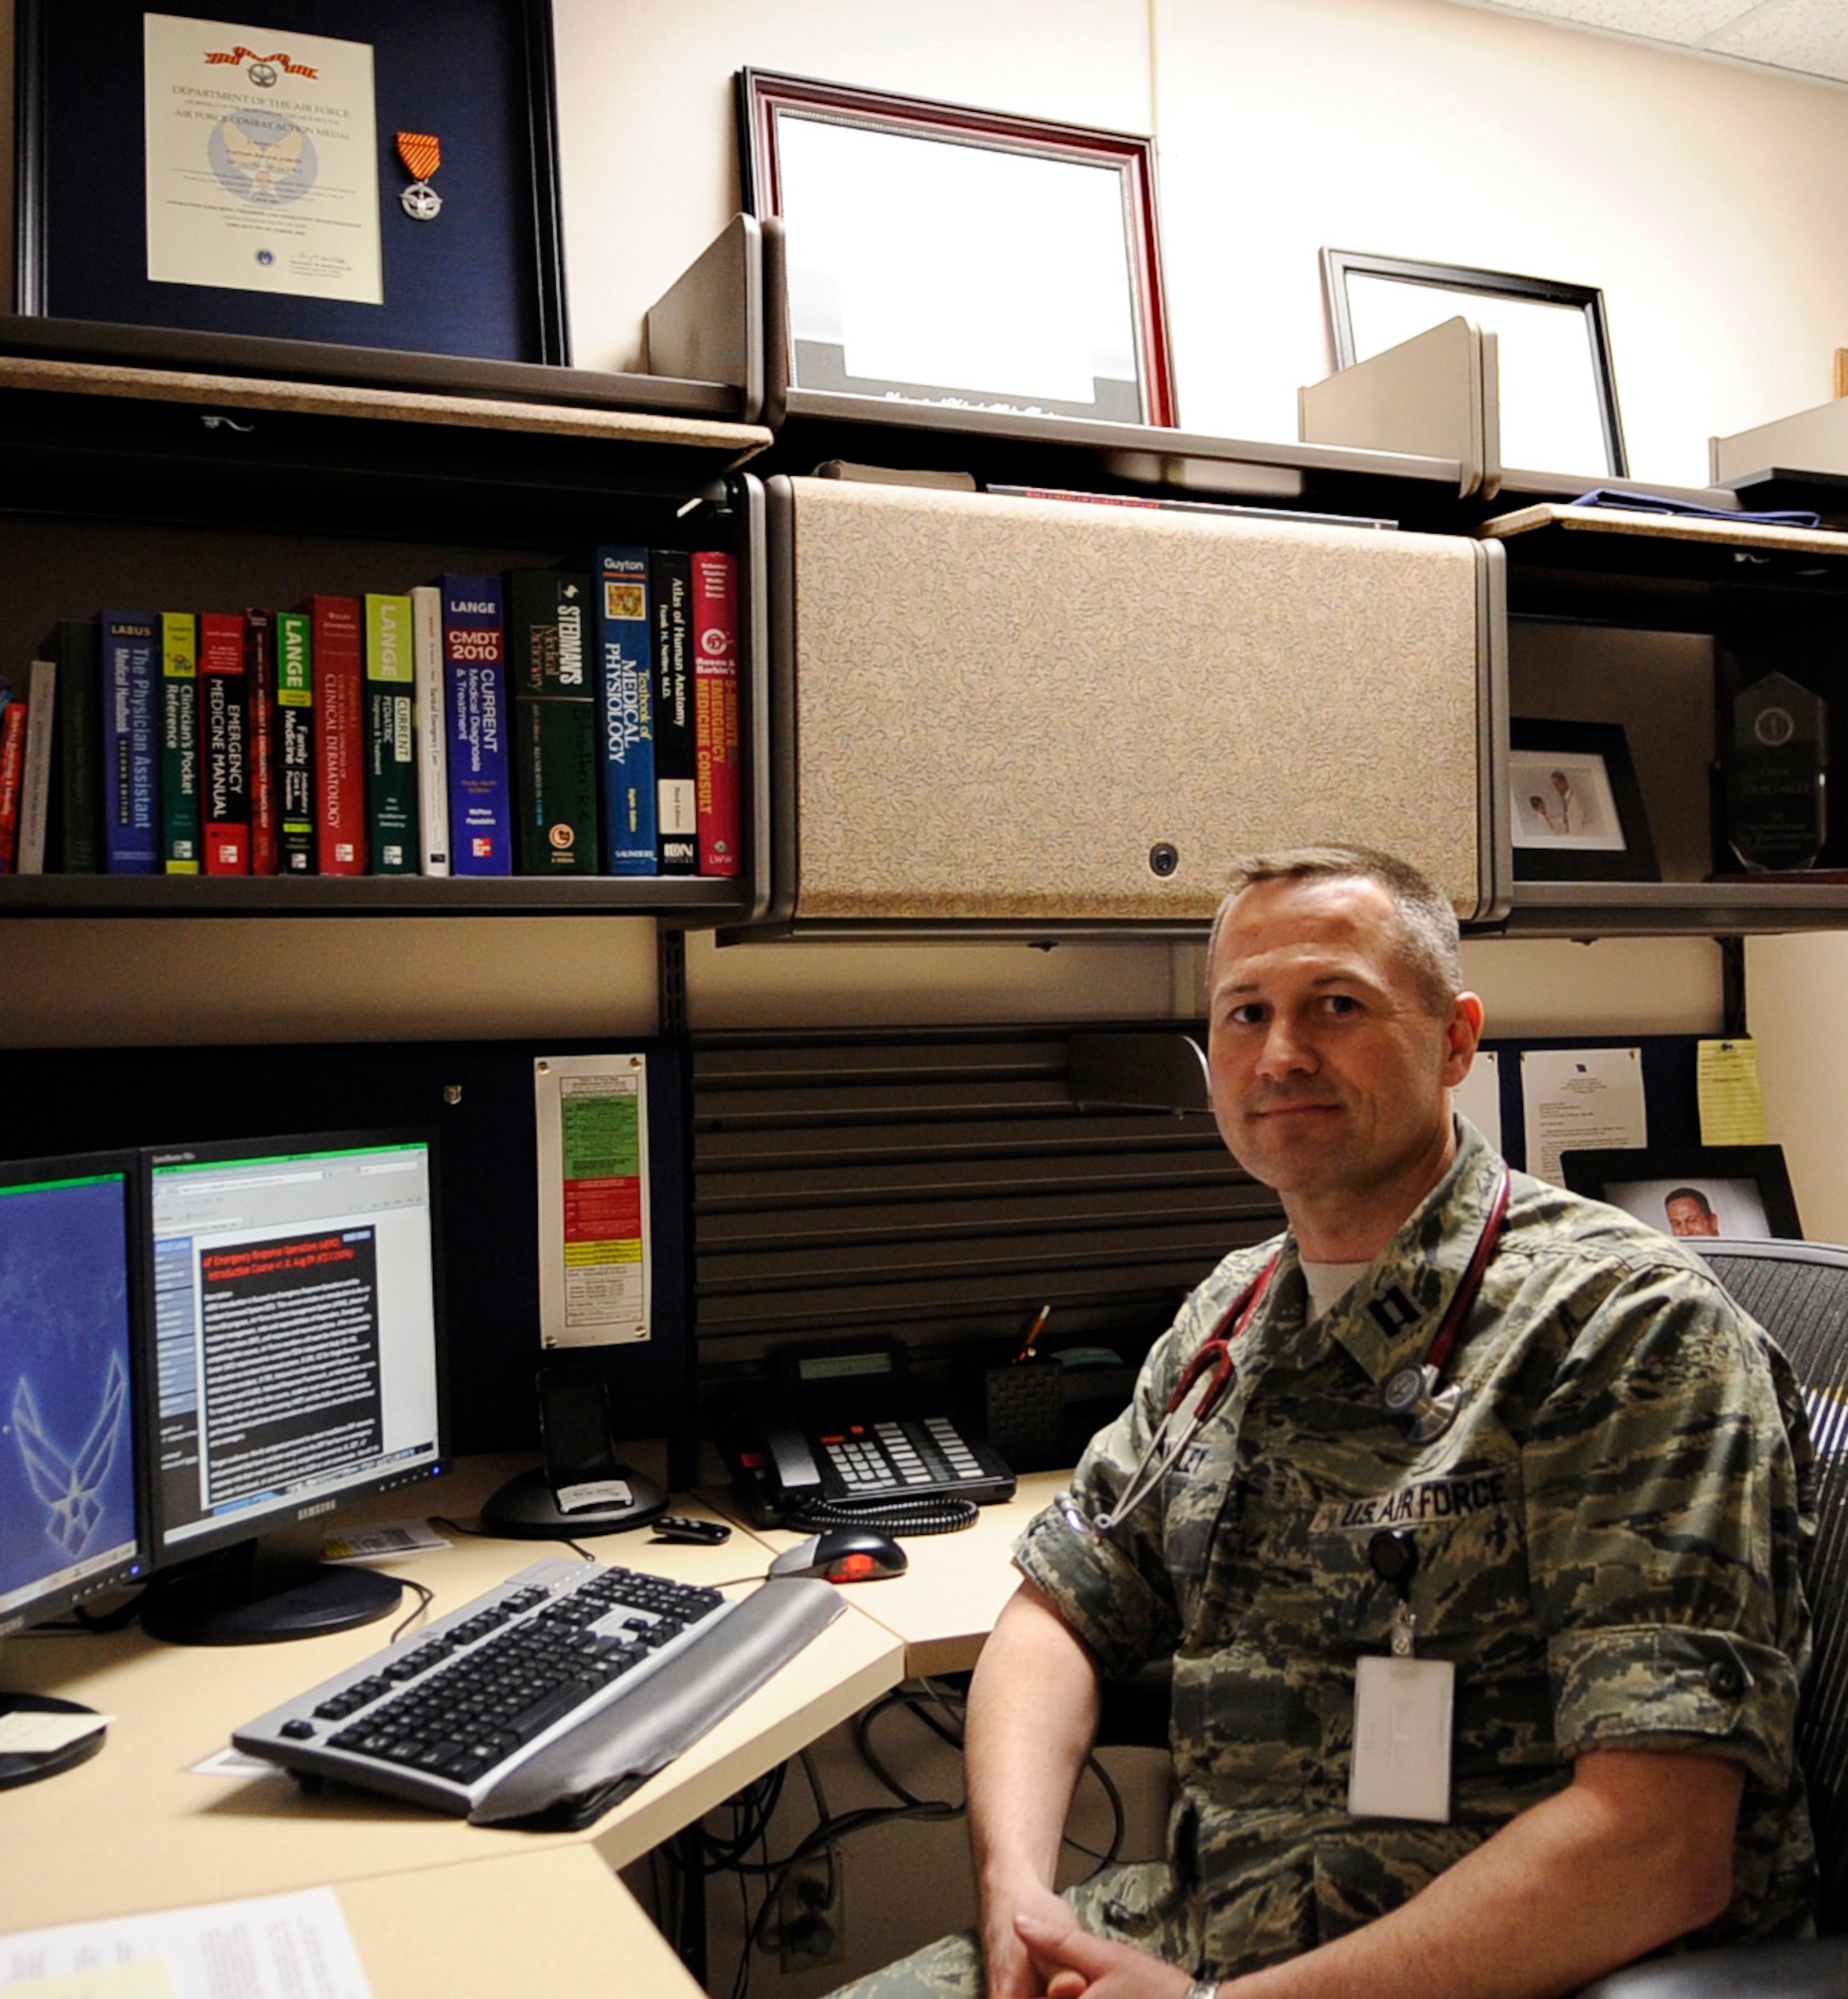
{"x": 1736, "y": 1193}
{"x": 1575, "y": 809}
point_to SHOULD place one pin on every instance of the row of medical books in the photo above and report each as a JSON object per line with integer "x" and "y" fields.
{"x": 569, "y": 721}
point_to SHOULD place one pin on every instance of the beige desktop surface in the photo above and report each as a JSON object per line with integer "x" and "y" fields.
{"x": 945, "y": 1604}
{"x": 134, "y": 1828}
{"x": 551, "y": 1919}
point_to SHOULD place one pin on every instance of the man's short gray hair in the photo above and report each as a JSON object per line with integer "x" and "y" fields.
{"x": 1428, "y": 922}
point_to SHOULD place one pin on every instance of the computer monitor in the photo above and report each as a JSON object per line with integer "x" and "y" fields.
{"x": 70, "y": 1516}
{"x": 293, "y": 1350}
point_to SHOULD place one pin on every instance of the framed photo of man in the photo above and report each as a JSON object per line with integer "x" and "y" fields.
{"x": 1739, "y": 1193}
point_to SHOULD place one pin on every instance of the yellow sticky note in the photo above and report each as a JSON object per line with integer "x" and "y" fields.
{"x": 139, "y": 1978}
{"x": 1732, "y": 1107}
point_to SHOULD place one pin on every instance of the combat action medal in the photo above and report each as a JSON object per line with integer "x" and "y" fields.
{"x": 422, "y": 152}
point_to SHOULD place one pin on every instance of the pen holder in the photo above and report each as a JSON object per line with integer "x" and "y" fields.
{"x": 1023, "y": 1412}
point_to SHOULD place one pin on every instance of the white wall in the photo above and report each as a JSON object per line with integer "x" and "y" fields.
{"x": 1796, "y": 988}
{"x": 1697, "y": 193}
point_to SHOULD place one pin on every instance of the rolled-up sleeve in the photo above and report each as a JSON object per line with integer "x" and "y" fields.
{"x": 1662, "y": 1496}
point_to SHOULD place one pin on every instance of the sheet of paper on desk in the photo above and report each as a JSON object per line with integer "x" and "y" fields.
{"x": 1580, "y": 1099}
{"x": 273, "y": 1947}
{"x": 381, "y": 1543}
{"x": 27, "y": 1732}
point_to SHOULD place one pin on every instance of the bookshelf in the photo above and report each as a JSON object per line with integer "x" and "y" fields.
{"x": 1675, "y": 593}
{"x": 199, "y": 485}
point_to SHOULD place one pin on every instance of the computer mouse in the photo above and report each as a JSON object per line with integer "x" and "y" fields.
{"x": 844, "y": 1554}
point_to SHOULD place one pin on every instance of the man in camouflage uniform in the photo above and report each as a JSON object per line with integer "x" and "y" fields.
{"x": 1606, "y": 1538}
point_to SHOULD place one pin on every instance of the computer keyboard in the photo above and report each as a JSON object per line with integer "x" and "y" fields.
{"x": 555, "y": 1693}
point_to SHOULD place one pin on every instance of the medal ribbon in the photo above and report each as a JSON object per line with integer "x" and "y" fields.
{"x": 422, "y": 152}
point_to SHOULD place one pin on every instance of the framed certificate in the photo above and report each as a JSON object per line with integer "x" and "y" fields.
{"x": 940, "y": 254}
{"x": 363, "y": 172}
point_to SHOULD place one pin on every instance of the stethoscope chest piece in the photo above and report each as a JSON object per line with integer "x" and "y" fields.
{"x": 1412, "y": 1395}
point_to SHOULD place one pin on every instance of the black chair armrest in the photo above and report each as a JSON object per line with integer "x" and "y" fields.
{"x": 1811, "y": 1968}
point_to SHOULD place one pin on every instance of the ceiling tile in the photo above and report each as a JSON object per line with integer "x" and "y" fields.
{"x": 1807, "y": 35}
{"x": 1681, "y": 21}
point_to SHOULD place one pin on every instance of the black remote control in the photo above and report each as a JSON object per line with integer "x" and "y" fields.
{"x": 679, "y": 1527}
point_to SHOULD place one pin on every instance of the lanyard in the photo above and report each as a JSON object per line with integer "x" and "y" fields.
{"x": 1412, "y": 1393}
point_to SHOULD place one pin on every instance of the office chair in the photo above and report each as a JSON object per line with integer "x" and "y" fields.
{"x": 1798, "y": 1291}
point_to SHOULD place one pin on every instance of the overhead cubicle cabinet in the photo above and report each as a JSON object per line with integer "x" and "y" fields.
{"x": 992, "y": 713}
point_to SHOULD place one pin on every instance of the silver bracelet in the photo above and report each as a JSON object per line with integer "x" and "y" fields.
{"x": 1203, "y": 1988}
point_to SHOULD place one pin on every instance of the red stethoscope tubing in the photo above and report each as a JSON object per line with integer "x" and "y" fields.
{"x": 1214, "y": 1357}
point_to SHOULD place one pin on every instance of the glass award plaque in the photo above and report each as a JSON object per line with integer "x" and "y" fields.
{"x": 1776, "y": 760}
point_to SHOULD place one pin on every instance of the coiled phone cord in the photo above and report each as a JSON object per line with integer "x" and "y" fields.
{"x": 939, "y": 1514}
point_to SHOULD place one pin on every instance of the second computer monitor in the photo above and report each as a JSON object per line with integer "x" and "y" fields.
{"x": 295, "y": 1364}
{"x": 69, "y": 1522}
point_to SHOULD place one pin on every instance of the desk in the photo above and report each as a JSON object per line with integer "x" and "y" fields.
{"x": 549, "y": 1919}
{"x": 132, "y": 1829}
{"x": 943, "y": 1607}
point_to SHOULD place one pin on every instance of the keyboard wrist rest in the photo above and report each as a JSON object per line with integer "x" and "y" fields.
{"x": 609, "y": 1752}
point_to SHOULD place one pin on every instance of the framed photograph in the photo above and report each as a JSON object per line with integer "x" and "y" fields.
{"x": 938, "y": 253}
{"x": 1574, "y": 808}
{"x": 1739, "y": 1193}
{"x": 1558, "y": 388}
{"x": 360, "y": 173}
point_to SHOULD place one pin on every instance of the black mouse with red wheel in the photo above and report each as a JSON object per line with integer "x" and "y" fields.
{"x": 844, "y": 1554}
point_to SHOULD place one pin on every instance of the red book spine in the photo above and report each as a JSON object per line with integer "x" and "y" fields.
{"x": 224, "y": 738}
{"x": 12, "y": 772}
{"x": 715, "y": 694}
{"x": 339, "y": 640}
{"x": 265, "y": 796}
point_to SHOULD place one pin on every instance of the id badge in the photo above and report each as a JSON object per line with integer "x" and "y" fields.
{"x": 1401, "y": 1761}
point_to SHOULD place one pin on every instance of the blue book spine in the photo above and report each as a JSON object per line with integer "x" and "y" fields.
{"x": 129, "y": 646}
{"x": 480, "y": 818}
{"x": 626, "y": 710}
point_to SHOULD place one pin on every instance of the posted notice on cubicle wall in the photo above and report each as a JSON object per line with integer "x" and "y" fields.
{"x": 594, "y": 1260}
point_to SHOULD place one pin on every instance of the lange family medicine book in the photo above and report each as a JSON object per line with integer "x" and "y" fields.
{"x": 475, "y": 670}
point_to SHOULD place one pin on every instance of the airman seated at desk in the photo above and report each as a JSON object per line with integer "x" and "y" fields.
{"x": 1479, "y": 1576}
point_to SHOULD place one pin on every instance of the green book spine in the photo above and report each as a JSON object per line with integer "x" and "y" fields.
{"x": 180, "y": 848}
{"x": 295, "y": 742}
{"x": 391, "y": 737}
{"x": 555, "y": 722}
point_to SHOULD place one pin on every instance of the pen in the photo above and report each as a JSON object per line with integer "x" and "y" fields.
{"x": 1033, "y": 1334}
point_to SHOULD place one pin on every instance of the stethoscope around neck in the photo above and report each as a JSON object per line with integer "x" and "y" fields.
{"x": 1416, "y": 1394}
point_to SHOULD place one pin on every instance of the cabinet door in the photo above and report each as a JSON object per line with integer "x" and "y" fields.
{"x": 1005, "y": 710}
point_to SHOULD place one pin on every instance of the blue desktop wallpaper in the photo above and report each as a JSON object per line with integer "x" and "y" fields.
{"x": 66, "y": 1457}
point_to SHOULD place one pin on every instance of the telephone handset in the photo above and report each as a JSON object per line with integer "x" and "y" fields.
{"x": 848, "y": 1440}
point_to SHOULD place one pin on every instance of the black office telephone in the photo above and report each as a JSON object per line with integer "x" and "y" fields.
{"x": 846, "y": 1438}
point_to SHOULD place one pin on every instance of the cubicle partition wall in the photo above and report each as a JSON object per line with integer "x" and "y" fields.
{"x": 940, "y": 1186}
{"x": 477, "y": 1099}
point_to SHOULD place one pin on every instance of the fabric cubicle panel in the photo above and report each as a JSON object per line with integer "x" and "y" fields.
{"x": 1002, "y": 709}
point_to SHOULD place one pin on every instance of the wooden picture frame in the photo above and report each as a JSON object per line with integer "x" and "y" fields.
{"x": 1575, "y": 809}
{"x": 477, "y": 274}
{"x": 1739, "y": 1193}
{"x": 1557, "y": 380}
{"x": 907, "y": 220}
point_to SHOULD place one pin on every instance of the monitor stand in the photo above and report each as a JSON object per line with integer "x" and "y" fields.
{"x": 27, "y": 1766}
{"x": 525, "y": 1508}
{"x": 242, "y": 1597}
